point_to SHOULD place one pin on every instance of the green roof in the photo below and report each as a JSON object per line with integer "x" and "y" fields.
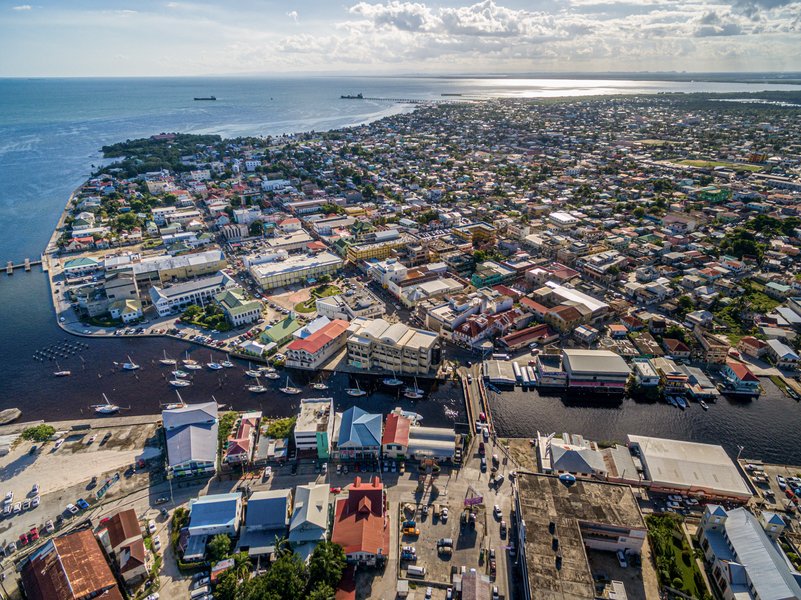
{"x": 282, "y": 330}
{"x": 83, "y": 261}
{"x": 234, "y": 301}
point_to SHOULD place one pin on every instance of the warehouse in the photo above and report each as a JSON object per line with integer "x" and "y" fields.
{"x": 600, "y": 371}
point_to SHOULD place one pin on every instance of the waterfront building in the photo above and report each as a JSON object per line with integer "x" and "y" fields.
{"x": 314, "y": 427}
{"x": 191, "y": 435}
{"x": 559, "y": 523}
{"x": 377, "y": 344}
{"x": 361, "y": 523}
{"x": 739, "y": 379}
{"x": 283, "y": 331}
{"x": 715, "y": 348}
{"x": 745, "y": 556}
{"x": 549, "y": 371}
{"x": 300, "y": 268}
{"x": 438, "y": 443}
{"x": 83, "y": 265}
{"x": 783, "y": 356}
{"x": 595, "y": 370}
{"x": 359, "y": 434}
{"x": 174, "y": 298}
{"x": 678, "y": 467}
{"x": 313, "y": 351}
{"x": 237, "y": 308}
{"x": 395, "y": 439}
{"x": 644, "y": 373}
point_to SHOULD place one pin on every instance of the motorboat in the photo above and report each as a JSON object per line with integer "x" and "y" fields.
{"x": 681, "y": 402}
{"x": 170, "y": 362}
{"x": 258, "y": 388}
{"x": 179, "y": 374}
{"x": 392, "y": 381}
{"x": 130, "y": 365}
{"x": 703, "y": 404}
{"x": 179, "y": 383}
{"x": 271, "y": 375}
{"x": 227, "y": 364}
{"x": 212, "y": 364}
{"x": 356, "y": 392}
{"x": 670, "y": 400}
{"x": 61, "y": 372}
{"x": 289, "y": 389}
{"x": 107, "y": 408}
{"x": 319, "y": 385}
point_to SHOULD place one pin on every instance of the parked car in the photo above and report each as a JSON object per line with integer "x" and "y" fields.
{"x": 72, "y": 508}
{"x": 82, "y": 504}
{"x": 496, "y": 511}
{"x": 151, "y": 526}
{"x": 49, "y": 527}
{"x": 503, "y": 529}
{"x": 621, "y": 559}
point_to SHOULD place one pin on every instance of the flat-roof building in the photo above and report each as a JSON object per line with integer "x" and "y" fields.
{"x": 295, "y": 269}
{"x": 595, "y": 370}
{"x": 377, "y": 344}
{"x": 314, "y": 428}
{"x": 679, "y": 467}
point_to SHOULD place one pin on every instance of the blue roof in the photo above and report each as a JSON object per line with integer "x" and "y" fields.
{"x": 268, "y": 509}
{"x": 213, "y": 510}
{"x": 359, "y": 429}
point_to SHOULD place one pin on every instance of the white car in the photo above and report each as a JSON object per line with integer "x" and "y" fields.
{"x": 35, "y": 490}
{"x": 496, "y": 510}
{"x": 151, "y": 526}
{"x": 72, "y": 508}
{"x": 18, "y": 508}
{"x": 621, "y": 558}
{"x": 153, "y": 596}
{"x": 35, "y": 501}
{"x": 157, "y": 543}
{"x": 673, "y": 504}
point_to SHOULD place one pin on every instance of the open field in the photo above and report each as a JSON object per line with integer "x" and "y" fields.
{"x": 711, "y": 164}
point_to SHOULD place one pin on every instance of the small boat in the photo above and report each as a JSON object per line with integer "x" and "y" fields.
{"x": 179, "y": 374}
{"x": 289, "y": 389}
{"x": 267, "y": 369}
{"x": 392, "y": 381}
{"x": 130, "y": 365}
{"x": 213, "y": 365}
{"x": 174, "y": 405}
{"x": 681, "y": 402}
{"x": 271, "y": 375}
{"x": 670, "y": 400}
{"x": 107, "y": 408}
{"x": 180, "y": 383}
{"x": 319, "y": 385}
{"x": 793, "y": 394}
{"x": 413, "y": 393}
{"x": 59, "y": 443}
{"x": 703, "y": 404}
{"x": 61, "y": 372}
{"x": 190, "y": 364}
{"x": 227, "y": 362}
{"x": 258, "y": 388}
{"x": 170, "y": 362}
{"x": 251, "y": 372}
{"x": 356, "y": 392}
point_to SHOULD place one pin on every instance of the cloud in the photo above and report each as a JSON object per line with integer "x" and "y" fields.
{"x": 22, "y": 7}
{"x": 293, "y": 14}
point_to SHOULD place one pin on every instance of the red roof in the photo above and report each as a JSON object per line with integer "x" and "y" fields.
{"x": 534, "y": 306}
{"x": 360, "y": 524}
{"x": 396, "y": 430}
{"x": 315, "y": 342}
{"x": 742, "y": 372}
{"x": 346, "y": 590}
{"x": 675, "y": 345}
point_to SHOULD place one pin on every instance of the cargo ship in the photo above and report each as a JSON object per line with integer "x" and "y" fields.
{"x": 207, "y": 98}
{"x": 358, "y": 96}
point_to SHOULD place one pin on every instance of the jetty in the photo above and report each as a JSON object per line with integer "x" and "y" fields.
{"x": 397, "y": 100}
{"x": 26, "y": 264}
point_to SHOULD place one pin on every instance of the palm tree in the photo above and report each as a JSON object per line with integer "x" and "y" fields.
{"x": 242, "y": 566}
{"x": 327, "y": 563}
{"x": 282, "y": 547}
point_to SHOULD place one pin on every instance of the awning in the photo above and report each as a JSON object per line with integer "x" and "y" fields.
{"x": 259, "y": 543}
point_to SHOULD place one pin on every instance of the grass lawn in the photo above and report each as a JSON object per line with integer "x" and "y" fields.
{"x": 711, "y": 164}
{"x": 321, "y": 291}
{"x": 674, "y": 556}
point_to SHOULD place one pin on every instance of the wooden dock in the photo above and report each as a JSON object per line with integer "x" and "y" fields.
{"x": 27, "y": 264}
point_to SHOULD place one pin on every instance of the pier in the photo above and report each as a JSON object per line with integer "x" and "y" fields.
{"x": 398, "y": 100}
{"x": 27, "y": 264}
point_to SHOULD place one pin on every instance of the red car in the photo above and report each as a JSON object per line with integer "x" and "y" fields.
{"x": 33, "y": 534}
{"x": 789, "y": 493}
{"x": 336, "y": 490}
{"x": 23, "y": 539}
{"x": 482, "y": 417}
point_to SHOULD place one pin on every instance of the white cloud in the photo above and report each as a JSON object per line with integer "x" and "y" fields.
{"x": 293, "y": 14}
{"x": 22, "y": 7}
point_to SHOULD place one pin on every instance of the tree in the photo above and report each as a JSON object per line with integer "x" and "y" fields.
{"x": 639, "y": 212}
{"x": 219, "y": 547}
{"x": 242, "y": 566}
{"x": 677, "y": 333}
{"x": 256, "y": 228}
{"x": 285, "y": 579}
{"x": 685, "y": 304}
{"x": 326, "y": 565}
{"x": 281, "y": 428}
{"x": 38, "y": 433}
{"x": 321, "y": 591}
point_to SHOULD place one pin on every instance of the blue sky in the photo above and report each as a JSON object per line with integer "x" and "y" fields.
{"x": 143, "y": 37}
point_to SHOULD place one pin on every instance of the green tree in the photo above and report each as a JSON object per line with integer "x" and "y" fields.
{"x": 321, "y": 591}
{"x": 242, "y": 566}
{"x": 326, "y": 564}
{"x": 280, "y": 428}
{"x": 639, "y": 212}
{"x": 219, "y": 547}
{"x": 256, "y": 228}
{"x": 285, "y": 579}
{"x": 685, "y": 304}
{"x": 228, "y": 587}
{"x": 38, "y": 433}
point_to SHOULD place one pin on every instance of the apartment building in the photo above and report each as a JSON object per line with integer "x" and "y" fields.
{"x": 377, "y": 344}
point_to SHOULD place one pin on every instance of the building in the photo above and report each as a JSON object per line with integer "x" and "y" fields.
{"x": 644, "y": 374}
{"x": 313, "y": 351}
{"x": 215, "y": 514}
{"x": 300, "y": 268}
{"x": 571, "y": 453}
{"x": 314, "y": 427}
{"x": 242, "y": 441}
{"x": 379, "y": 245}
{"x": 78, "y": 267}
{"x": 782, "y": 355}
{"x": 283, "y": 331}
{"x": 176, "y": 297}
{"x": 350, "y": 305}
{"x": 744, "y": 554}
{"x": 359, "y": 435}
{"x": 361, "y": 523}
{"x": 309, "y": 523}
{"x": 438, "y": 443}
{"x": 69, "y": 567}
{"x": 678, "y": 467}
{"x": 237, "y": 308}
{"x": 395, "y": 440}
{"x": 491, "y": 273}
{"x": 375, "y": 344}
{"x": 595, "y": 370}
{"x": 715, "y": 349}
{"x": 266, "y": 518}
{"x": 559, "y": 522}
{"x": 191, "y": 434}
{"x": 739, "y": 379}
{"x": 121, "y": 536}
{"x": 165, "y": 269}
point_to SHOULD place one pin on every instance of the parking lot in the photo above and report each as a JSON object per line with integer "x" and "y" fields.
{"x": 765, "y": 479}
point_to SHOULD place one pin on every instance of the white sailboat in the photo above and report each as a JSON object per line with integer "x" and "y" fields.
{"x": 179, "y": 374}
{"x": 106, "y": 408}
{"x": 413, "y": 393}
{"x": 357, "y": 391}
{"x": 271, "y": 374}
{"x": 289, "y": 389}
{"x": 130, "y": 365}
{"x": 319, "y": 385}
{"x": 191, "y": 364}
{"x": 258, "y": 388}
{"x": 61, "y": 372}
{"x": 170, "y": 362}
{"x": 227, "y": 362}
{"x": 251, "y": 372}
{"x": 179, "y": 383}
{"x": 174, "y": 405}
{"x": 392, "y": 381}
{"x": 212, "y": 364}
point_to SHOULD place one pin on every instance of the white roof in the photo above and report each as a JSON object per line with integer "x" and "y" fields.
{"x": 296, "y": 263}
{"x": 692, "y": 465}
{"x": 594, "y": 361}
{"x": 570, "y": 294}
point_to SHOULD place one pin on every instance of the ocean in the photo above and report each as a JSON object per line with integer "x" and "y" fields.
{"x": 51, "y": 131}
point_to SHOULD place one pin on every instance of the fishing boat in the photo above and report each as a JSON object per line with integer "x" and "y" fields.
{"x": 105, "y": 409}
{"x": 61, "y": 372}
{"x": 212, "y": 364}
{"x": 251, "y": 372}
{"x": 357, "y": 391}
{"x": 190, "y": 364}
{"x": 179, "y": 374}
{"x": 392, "y": 381}
{"x": 681, "y": 402}
{"x": 258, "y": 388}
{"x": 170, "y": 362}
{"x": 289, "y": 389}
{"x": 703, "y": 404}
{"x": 227, "y": 362}
{"x": 130, "y": 365}
{"x": 413, "y": 393}
{"x": 179, "y": 383}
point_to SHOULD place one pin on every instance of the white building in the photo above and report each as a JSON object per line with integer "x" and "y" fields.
{"x": 350, "y": 305}
{"x": 176, "y": 297}
{"x": 314, "y": 428}
{"x": 375, "y": 344}
{"x": 295, "y": 269}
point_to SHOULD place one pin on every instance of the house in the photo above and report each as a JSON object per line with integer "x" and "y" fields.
{"x": 121, "y": 536}
{"x": 783, "y": 356}
{"x": 266, "y": 518}
{"x": 745, "y": 556}
{"x": 361, "y": 523}
{"x": 644, "y": 373}
{"x": 309, "y": 522}
{"x": 69, "y": 567}
{"x": 314, "y": 427}
{"x": 175, "y": 297}
{"x": 215, "y": 514}
{"x": 237, "y": 308}
{"x": 242, "y": 442}
{"x": 359, "y": 434}
{"x": 313, "y": 351}
{"x": 740, "y": 380}
{"x": 395, "y": 439}
{"x": 676, "y": 348}
{"x": 715, "y": 349}
{"x": 281, "y": 332}
{"x": 191, "y": 434}
{"x": 127, "y": 311}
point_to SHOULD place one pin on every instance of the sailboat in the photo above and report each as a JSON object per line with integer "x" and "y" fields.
{"x": 60, "y": 372}
{"x": 251, "y": 372}
{"x": 357, "y": 391}
{"x": 130, "y": 365}
{"x": 289, "y": 389}
{"x": 170, "y": 362}
{"x": 271, "y": 374}
{"x": 258, "y": 388}
{"x": 191, "y": 364}
{"x": 392, "y": 381}
{"x": 214, "y": 366}
{"x": 413, "y": 393}
{"x": 319, "y": 385}
{"x": 105, "y": 409}
{"x": 227, "y": 362}
{"x": 180, "y": 382}
{"x": 174, "y": 405}
{"x": 179, "y": 374}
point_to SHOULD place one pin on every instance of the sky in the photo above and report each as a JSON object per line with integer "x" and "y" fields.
{"x": 162, "y": 38}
